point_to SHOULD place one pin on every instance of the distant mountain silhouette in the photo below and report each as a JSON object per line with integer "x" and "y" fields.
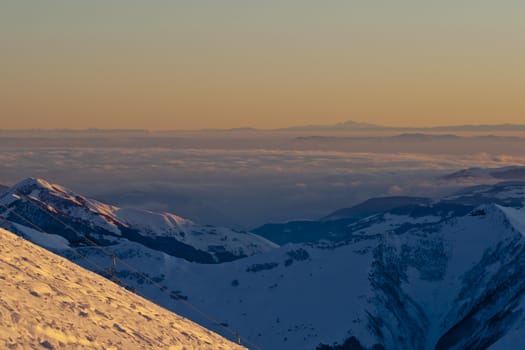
{"x": 352, "y": 125}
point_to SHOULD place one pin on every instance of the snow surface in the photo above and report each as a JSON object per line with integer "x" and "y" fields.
{"x": 284, "y": 300}
{"x": 275, "y": 303}
{"x": 198, "y": 236}
{"x": 46, "y": 240}
{"x": 47, "y": 302}
{"x": 516, "y": 217}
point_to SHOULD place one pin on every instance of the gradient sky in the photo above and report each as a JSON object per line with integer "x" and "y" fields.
{"x": 172, "y": 64}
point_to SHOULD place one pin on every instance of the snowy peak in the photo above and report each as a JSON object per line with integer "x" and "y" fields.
{"x": 50, "y": 303}
{"x": 487, "y": 175}
{"x": 32, "y": 183}
{"x": 59, "y": 195}
{"x": 57, "y": 209}
{"x": 375, "y": 206}
{"x": 153, "y": 222}
{"x": 56, "y": 201}
{"x": 516, "y": 217}
{"x": 508, "y": 194}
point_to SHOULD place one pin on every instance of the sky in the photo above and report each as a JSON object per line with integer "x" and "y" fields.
{"x": 193, "y": 64}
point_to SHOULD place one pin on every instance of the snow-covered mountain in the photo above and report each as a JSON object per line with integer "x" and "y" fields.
{"x": 46, "y": 302}
{"x": 446, "y": 273}
{"x": 406, "y": 211}
{"x": 487, "y": 175}
{"x": 56, "y": 209}
{"x": 374, "y": 206}
{"x": 337, "y": 225}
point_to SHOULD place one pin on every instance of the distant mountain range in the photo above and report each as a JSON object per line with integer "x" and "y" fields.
{"x": 342, "y": 224}
{"x": 374, "y": 206}
{"x": 410, "y": 137}
{"x": 348, "y": 125}
{"x": 352, "y": 125}
{"x": 508, "y": 173}
{"x": 390, "y": 273}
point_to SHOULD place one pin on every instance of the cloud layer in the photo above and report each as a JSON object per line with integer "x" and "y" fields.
{"x": 239, "y": 187}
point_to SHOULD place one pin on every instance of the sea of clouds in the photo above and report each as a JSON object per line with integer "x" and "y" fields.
{"x": 241, "y": 188}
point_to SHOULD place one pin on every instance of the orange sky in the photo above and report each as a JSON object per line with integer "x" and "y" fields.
{"x": 220, "y": 64}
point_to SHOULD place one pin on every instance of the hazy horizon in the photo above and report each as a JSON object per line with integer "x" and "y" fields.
{"x": 291, "y": 126}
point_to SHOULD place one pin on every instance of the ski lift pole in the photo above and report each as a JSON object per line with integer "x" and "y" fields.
{"x": 114, "y": 262}
{"x": 112, "y": 270}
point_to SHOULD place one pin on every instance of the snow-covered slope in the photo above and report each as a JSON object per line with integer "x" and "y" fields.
{"x": 46, "y": 302}
{"x": 448, "y": 274}
{"x": 390, "y": 213}
{"x": 337, "y": 226}
{"x": 48, "y": 205}
{"x": 420, "y": 288}
{"x": 456, "y": 284}
{"x": 339, "y": 229}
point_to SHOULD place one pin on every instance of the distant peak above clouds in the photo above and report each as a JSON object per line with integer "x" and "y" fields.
{"x": 346, "y": 125}
{"x": 36, "y": 183}
{"x": 353, "y": 125}
{"x": 483, "y": 175}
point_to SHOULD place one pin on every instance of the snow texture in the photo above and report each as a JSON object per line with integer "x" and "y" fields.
{"x": 46, "y": 302}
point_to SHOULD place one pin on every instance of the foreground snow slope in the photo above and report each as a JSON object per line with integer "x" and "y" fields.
{"x": 48, "y": 302}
